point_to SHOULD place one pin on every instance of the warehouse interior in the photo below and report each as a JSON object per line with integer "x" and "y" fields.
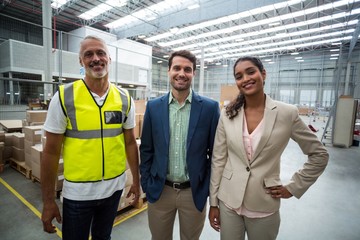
{"x": 310, "y": 50}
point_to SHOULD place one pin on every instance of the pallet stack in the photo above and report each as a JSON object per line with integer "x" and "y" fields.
{"x": 17, "y": 159}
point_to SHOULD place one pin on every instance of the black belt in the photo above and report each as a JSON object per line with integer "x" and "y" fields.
{"x": 176, "y": 185}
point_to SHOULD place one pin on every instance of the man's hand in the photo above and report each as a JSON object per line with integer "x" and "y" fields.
{"x": 50, "y": 211}
{"x": 135, "y": 191}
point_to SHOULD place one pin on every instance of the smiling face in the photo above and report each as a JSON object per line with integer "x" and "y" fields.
{"x": 94, "y": 57}
{"x": 181, "y": 73}
{"x": 249, "y": 78}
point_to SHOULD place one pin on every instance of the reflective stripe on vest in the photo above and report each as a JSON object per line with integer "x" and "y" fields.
{"x": 92, "y": 145}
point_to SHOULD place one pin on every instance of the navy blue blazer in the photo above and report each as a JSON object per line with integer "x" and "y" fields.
{"x": 154, "y": 147}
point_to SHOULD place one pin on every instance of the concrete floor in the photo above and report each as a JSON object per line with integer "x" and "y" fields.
{"x": 329, "y": 210}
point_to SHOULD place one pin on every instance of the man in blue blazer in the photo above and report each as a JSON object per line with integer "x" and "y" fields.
{"x": 176, "y": 148}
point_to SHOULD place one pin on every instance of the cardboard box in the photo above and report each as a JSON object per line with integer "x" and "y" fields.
{"x": 138, "y": 125}
{"x": 35, "y": 169}
{"x": 141, "y": 120}
{"x": 28, "y": 159}
{"x": 129, "y": 178}
{"x": 61, "y": 166}
{"x": 28, "y": 145}
{"x": 35, "y": 116}
{"x": 2, "y": 136}
{"x": 43, "y": 141}
{"x": 36, "y": 159}
{"x": 124, "y": 202}
{"x": 36, "y": 153}
{"x": 140, "y": 106}
{"x": 8, "y": 139}
{"x": 59, "y": 183}
{"x": 2, "y": 147}
{"x": 18, "y": 154}
{"x": 228, "y": 93}
{"x": 11, "y": 126}
{"x": 18, "y": 140}
{"x": 7, "y": 153}
{"x": 33, "y": 133}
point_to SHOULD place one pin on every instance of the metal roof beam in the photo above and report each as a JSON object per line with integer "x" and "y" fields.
{"x": 354, "y": 40}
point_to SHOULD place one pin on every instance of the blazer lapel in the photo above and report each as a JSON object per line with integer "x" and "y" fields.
{"x": 238, "y": 131}
{"x": 164, "y": 115}
{"x": 196, "y": 106}
{"x": 269, "y": 121}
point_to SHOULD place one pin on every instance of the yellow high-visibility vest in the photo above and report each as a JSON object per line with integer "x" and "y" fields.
{"x": 94, "y": 145}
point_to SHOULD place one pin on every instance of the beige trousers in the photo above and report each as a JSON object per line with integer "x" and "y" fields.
{"x": 161, "y": 215}
{"x": 234, "y": 226}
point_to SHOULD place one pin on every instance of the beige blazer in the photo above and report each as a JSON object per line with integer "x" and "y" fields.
{"x": 236, "y": 181}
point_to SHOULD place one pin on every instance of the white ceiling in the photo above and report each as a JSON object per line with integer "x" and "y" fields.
{"x": 218, "y": 29}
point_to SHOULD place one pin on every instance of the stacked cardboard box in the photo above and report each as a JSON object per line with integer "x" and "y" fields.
{"x": 35, "y": 117}
{"x": 139, "y": 118}
{"x": 140, "y": 107}
{"x": 18, "y": 152}
{"x": 227, "y": 94}
{"x": 33, "y": 136}
{"x": 124, "y": 201}
{"x": 7, "y": 151}
{"x": 36, "y": 158}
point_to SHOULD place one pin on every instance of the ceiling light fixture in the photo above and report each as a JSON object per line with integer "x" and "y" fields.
{"x": 270, "y": 39}
{"x": 239, "y": 52}
{"x": 108, "y": 5}
{"x": 193, "y": 6}
{"x": 58, "y": 3}
{"x": 274, "y": 24}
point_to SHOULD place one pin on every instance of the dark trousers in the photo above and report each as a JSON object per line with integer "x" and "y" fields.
{"x": 79, "y": 217}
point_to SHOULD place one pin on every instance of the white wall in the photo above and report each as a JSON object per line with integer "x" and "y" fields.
{"x": 77, "y": 35}
{"x": 131, "y": 53}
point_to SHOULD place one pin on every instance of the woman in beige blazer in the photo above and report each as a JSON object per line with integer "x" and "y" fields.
{"x": 253, "y": 131}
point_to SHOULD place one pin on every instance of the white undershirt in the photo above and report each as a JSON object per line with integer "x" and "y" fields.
{"x": 56, "y": 122}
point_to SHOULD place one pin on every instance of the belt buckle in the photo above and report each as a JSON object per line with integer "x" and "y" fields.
{"x": 176, "y": 186}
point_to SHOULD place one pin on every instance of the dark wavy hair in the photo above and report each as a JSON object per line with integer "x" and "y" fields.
{"x": 185, "y": 54}
{"x": 233, "y": 108}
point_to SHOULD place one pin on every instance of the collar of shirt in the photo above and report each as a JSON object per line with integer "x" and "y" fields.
{"x": 188, "y": 99}
{"x": 98, "y": 99}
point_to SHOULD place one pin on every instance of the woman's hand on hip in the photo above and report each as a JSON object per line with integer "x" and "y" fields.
{"x": 278, "y": 192}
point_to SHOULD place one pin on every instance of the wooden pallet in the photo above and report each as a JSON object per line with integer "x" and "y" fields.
{"x": 20, "y": 167}
{"x": 127, "y": 213}
{"x": 140, "y": 203}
